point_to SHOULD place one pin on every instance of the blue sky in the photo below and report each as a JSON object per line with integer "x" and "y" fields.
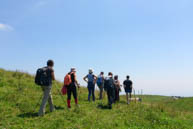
{"x": 150, "y": 40}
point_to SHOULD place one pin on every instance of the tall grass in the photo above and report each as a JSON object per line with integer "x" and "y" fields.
{"x": 20, "y": 101}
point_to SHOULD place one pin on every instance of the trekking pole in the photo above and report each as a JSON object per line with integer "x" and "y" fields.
{"x": 60, "y": 94}
{"x": 79, "y": 92}
{"x": 38, "y": 103}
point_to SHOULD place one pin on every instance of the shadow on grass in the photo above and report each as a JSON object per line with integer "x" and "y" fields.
{"x": 59, "y": 108}
{"x": 35, "y": 114}
{"x": 101, "y": 106}
{"x": 28, "y": 115}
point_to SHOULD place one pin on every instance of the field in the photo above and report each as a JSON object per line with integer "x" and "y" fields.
{"x": 20, "y": 99}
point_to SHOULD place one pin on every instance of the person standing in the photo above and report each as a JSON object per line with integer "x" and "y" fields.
{"x": 71, "y": 88}
{"x": 47, "y": 87}
{"x": 117, "y": 88}
{"x": 100, "y": 84}
{"x": 91, "y": 80}
{"x": 128, "y": 85}
{"x": 109, "y": 87}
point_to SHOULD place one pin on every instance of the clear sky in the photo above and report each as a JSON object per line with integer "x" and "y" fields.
{"x": 151, "y": 40}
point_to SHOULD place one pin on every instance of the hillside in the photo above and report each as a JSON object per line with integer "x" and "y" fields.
{"x": 19, "y": 97}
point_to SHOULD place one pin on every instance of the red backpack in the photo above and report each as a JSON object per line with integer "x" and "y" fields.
{"x": 67, "y": 80}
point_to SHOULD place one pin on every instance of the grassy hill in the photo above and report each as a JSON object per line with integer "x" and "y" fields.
{"x": 19, "y": 97}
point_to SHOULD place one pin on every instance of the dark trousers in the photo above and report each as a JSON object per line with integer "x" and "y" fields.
{"x": 117, "y": 94}
{"x": 110, "y": 94}
{"x": 91, "y": 90}
{"x": 101, "y": 92}
{"x": 71, "y": 89}
{"x": 101, "y": 87}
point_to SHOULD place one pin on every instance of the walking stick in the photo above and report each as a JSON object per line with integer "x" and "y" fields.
{"x": 38, "y": 103}
{"x": 60, "y": 94}
{"x": 79, "y": 92}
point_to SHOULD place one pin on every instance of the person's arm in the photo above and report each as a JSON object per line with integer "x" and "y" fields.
{"x": 131, "y": 85}
{"x": 53, "y": 76}
{"x": 85, "y": 79}
{"x": 103, "y": 78}
{"x": 124, "y": 85}
{"x": 76, "y": 81}
{"x": 95, "y": 79}
{"x": 119, "y": 84}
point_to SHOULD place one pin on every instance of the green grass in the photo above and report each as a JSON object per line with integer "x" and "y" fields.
{"x": 19, "y": 97}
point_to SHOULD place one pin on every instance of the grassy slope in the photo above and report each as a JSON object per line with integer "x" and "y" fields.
{"x": 19, "y": 97}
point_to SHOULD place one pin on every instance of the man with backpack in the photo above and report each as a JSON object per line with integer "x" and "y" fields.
{"x": 128, "y": 88}
{"x": 44, "y": 78}
{"x": 91, "y": 80}
{"x": 100, "y": 83}
{"x": 109, "y": 87}
{"x": 71, "y": 83}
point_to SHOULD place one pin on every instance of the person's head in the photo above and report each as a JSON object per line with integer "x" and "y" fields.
{"x": 127, "y": 77}
{"x": 102, "y": 73}
{"x": 50, "y": 63}
{"x": 116, "y": 77}
{"x": 110, "y": 74}
{"x": 73, "y": 70}
{"x": 90, "y": 71}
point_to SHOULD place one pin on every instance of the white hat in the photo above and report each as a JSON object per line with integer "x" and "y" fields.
{"x": 73, "y": 70}
{"x": 90, "y": 71}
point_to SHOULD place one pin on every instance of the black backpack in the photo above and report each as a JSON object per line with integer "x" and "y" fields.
{"x": 43, "y": 77}
{"x": 109, "y": 83}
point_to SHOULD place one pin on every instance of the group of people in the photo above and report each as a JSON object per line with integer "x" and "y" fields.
{"x": 110, "y": 84}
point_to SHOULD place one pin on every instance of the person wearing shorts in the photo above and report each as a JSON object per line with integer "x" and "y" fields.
{"x": 128, "y": 86}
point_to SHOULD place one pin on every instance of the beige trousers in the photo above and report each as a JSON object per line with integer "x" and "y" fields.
{"x": 47, "y": 96}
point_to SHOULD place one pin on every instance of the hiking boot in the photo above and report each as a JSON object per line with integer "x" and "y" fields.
{"x": 68, "y": 102}
{"x": 76, "y": 101}
{"x": 52, "y": 110}
{"x": 41, "y": 114}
